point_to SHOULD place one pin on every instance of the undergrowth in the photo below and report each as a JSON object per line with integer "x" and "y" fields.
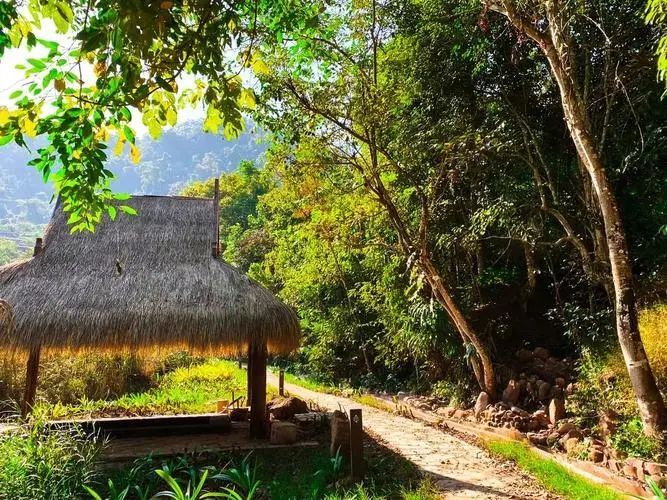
{"x": 41, "y": 464}
{"x": 190, "y": 389}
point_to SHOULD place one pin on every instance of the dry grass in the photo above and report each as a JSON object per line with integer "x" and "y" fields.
{"x": 653, "y": 329}
{"x": 140, "y": 282}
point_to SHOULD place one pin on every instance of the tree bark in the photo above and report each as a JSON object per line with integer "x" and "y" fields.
{"x": 557, "y": 51}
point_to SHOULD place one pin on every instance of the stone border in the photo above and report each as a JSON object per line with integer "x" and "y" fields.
{"x": 594, "y": 473}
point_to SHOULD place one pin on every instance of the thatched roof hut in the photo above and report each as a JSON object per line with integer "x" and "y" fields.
{"x": 140, "y": 282}
{"x": 145, "y": 281}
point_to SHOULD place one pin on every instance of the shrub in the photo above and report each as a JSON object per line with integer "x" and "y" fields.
{"x": 36, "y": 462}
{"x": 630, "y": 439}
{"x": 453, "y": 391}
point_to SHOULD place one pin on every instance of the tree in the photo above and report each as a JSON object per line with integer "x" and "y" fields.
{"x": 137, "y": 53}
{"x": 550, "y": 25}
{"x": 345, "y": 107}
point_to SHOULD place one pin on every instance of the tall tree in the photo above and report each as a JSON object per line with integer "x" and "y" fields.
{"x": 550, "y": 25}
{"x": 347, "y": 103}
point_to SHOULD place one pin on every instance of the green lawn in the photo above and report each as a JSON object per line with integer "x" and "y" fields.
{"x": 551, "y": 475}
{"x": 194, "y": 389}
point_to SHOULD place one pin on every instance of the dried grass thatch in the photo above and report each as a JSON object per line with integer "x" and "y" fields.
{"x": 141, "y": 282}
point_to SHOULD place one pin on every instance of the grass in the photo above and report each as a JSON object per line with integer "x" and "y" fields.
{"x": 354, "y": 394}
{"x": 186, "y": 390}
{"x": 310, "y": 384}
{"x": 549, "y": 473}
{"x": 36, "y": 463}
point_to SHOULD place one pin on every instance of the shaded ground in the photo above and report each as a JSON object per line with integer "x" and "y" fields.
{"x": 459, "y": 469}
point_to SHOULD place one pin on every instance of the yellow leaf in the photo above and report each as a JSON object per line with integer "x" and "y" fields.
{"x": 102, "y": 135}
{"x": 171, "y": 116}
{"x": 213, "y": 120}
{"x": 154, "y": 129}
{"x": 247, "y": 99}
{"x": 4, "y": 115}
{"x": 259, "y": 66}
{"x": 120, "y": 145}
{"x": 29, "y": 127}
{"x": 76, "y": 154}
{"x": 135, "y": 154}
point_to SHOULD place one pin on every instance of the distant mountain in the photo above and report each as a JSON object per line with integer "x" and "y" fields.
{"x": 183, "y": 154}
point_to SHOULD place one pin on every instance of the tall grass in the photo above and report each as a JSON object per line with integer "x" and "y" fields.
{"x": 190, "y": 389}
{"x": 38, "y": 463}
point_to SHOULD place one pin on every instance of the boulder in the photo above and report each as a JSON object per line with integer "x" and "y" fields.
{"x": 596, "y": 456}
{"x": 537, "y": 439}
{"x": 556, "y": 410}
{"x": 553, "y": 438}
{"x": 656, "y": 469}
{"x": 481, "y": 404}
{"x": 340, "y": 434}
{"x": 541, "y": 353}
{"x": 565, "y": 427}
{"x": 286, "y": 408}
{"x": 543, "y": 390}
{"x": 511, "y": 392}
{"x": 283, "y": 432}
{"x": 541, "y": 417}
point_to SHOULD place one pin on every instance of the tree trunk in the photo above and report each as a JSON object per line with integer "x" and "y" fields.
{"x": 486, "y": 378}
{"x": 557, "y": 52}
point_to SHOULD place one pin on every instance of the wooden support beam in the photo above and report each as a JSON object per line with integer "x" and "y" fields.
{"x": 32, "y": 373}
{"x": 281, "y": 383}
{"x": 357, "y": 464}
{"x": 249, "y": 375}
{"x": 258, "y": 391}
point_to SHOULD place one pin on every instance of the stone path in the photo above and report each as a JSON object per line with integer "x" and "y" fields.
{"x": 459, "y": 469}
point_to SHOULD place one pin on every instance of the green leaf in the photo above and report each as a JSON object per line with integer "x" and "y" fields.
{"x": 15, "y": 94}
{"x": 121, "y": 196}
{"x": 6, "y": 139}
{"x": 36, "y": 63}
{"x": 128, "y": 210}
{"x": 111, "y": 210}
{"x": 129, "y": 134}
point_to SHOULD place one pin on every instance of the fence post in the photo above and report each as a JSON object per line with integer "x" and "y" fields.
{"x": 357, "y": 464}
{"x": 281, "y": 383}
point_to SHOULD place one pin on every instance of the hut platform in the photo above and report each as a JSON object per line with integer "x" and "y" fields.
{"x": 122, "y": 450}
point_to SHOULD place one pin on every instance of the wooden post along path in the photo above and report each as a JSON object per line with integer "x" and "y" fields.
{"x": 281, "y": 383}
{"x": 357, "y": 464}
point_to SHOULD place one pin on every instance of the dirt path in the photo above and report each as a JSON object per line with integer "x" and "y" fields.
{"x": 459, "y": 469}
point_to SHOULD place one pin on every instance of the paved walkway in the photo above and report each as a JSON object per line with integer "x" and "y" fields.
{"x": 459, "y": 469}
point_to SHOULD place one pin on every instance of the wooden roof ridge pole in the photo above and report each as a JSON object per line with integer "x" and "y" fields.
{"x": 216, "y": 208}
{"x": 32, "y": 368}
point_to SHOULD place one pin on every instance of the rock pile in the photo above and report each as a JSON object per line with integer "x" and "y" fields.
{"x": 541, "y": 378}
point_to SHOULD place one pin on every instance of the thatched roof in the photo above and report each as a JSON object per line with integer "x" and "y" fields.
{"x": 142, "y": 281}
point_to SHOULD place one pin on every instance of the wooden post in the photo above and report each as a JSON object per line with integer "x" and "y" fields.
{"x": 281, "y": 383}
{"x": 32, "y": 373}
{"x": 258, "y": 392}
{"x": 32, "y": 368}
{"x": 216, "y": 201}
{"x": 249, "y": 374}
{"x": 357, "y": 464}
